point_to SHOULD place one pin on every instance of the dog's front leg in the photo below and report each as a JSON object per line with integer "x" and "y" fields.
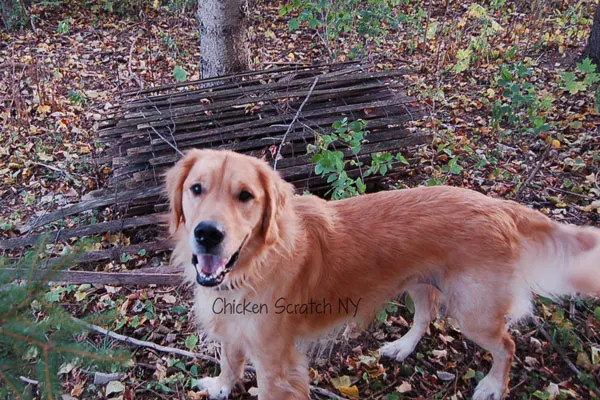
{"x": 281, "y": 373}
{"x": 232, "y": 362}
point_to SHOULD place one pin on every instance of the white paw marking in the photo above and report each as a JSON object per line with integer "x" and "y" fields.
{"x": 215, "y": 388}
{"x": 399, "y": 349}
{"x": 489, "y": 389}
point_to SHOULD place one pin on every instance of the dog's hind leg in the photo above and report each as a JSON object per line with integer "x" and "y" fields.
{"x": 425, "y": 299}
{"x": 480, "y": 306}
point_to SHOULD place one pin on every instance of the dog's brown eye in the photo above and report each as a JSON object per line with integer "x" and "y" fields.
{"x": 197, "y": 189}
{"x": 245, "y": 196}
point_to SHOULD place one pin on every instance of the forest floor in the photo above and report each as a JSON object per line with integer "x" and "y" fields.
{"x": 539, "y": 145}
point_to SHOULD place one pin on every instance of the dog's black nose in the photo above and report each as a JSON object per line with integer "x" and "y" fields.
{"x": 208, "y": 235}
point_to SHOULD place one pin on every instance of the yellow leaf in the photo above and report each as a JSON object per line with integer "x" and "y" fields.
{"x": 84, "y": 150}
{"x": 351, "y": 392}
{"x": 595, "y": 355}
{"x": 45, "y": 157}
{"x": 341, "y": 381}
{"x": 583, "y": 360}
{"x": 79, "y": 296}
{"x": 292, "y": 56}
{"x": 43, "y": 109}
{"x": 155, "y": 4}
{"x": 555, "y": 144}
{"x": 490, "y": 93}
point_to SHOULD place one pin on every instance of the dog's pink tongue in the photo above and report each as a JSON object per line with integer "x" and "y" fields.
{"x": 209, "y": 263}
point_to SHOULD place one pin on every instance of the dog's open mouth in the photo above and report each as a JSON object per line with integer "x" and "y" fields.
{"x": 211, "y": 270}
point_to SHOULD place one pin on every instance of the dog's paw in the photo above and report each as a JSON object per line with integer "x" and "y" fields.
{"x": 399, "y": 350}
{"x": 215, "y": 388}
{"x": 489, "y": 389}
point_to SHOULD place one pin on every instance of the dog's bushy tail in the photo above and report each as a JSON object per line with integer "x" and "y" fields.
{"x": 564, "y": 260}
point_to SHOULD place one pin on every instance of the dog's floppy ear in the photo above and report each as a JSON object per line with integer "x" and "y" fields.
{"x": 278, "y": 193}
{"x": 174, "y": 179}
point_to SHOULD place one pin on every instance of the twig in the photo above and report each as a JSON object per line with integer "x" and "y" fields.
{"x": 135, "y": 77}
{"x": 52, "y": 168}
{"x": 583, "y": 196}
{"x": 143, "y": 343}
{"x": 534, "y": 172}
{"x": 325, "y": 392}
{"x": 173, "y": 146}
{"x": 28, "y": 381}
{"x": 562, "y": 353}
{"x": 294, "y": 121}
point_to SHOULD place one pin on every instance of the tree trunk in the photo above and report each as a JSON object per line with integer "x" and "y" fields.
{"x": 224, "y": 42}
{"x": 592, "y": 50}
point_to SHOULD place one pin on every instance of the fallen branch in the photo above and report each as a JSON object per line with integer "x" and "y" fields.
{"x": 144, "y": 343}
{"x": 325, "y": 392}
{"x": 534, "y": 172}
{"x": 285, "y": 135}
{"x": 131, "y": 73}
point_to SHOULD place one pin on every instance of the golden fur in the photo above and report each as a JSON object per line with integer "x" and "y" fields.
{"x": 481, "y": 256}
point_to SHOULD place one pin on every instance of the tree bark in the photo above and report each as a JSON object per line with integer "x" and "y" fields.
{"x": 592, "y": 49}
{"x": 224, "y": 41}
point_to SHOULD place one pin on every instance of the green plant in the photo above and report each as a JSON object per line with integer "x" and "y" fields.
{"x": 180, "y": 74}
{"x": 366, "y": 21}
{"x": 479, "y": 45}
{"x": 582, "y": 79}
{"x": 63, "y": 26}
{"x": 331, "y": 164}
{"x": 75, "y": 96}
{"x": 14, "y": 14}
{"x": 37, "y": 335}
{"x": 522, "y": 109}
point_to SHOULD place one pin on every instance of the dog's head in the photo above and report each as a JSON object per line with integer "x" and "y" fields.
{"x": 227, "y": 205}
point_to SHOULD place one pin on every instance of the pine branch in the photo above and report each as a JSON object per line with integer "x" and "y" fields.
{"x": 44, "y": 342}
{"x": 15, "y": 387}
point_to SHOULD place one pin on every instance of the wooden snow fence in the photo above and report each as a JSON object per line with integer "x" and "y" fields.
{"x": 275, "y": 114}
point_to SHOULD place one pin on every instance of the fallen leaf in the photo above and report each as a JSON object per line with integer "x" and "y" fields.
{"x": 404, "y": 387}
{"x": 351, "y": 392}
{"x": 343, "y": 380}
{"x": 169, "y": 299}
{"x": 445, "y": 376}
{"x": 114, "y": 387}
{"x": 440, "y": 353}
{"x": 583, "y": 360}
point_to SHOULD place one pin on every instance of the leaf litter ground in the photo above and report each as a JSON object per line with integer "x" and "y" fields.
{"x": 54, "y": 88}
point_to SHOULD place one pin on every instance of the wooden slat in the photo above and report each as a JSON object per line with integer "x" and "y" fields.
{"x": 115, "y": 253}
{"x": 137, "y": 278}
{"x": 330, "y": 80}
{"x": 89, "y": 205}
{"x": 230, "y": 132}
{"x": 93, "y": 229}
{"x": 237, "y": 90}
{"x": 238, "y": 75}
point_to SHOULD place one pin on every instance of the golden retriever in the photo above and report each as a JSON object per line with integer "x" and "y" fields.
{"x": 273, "y": 268}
